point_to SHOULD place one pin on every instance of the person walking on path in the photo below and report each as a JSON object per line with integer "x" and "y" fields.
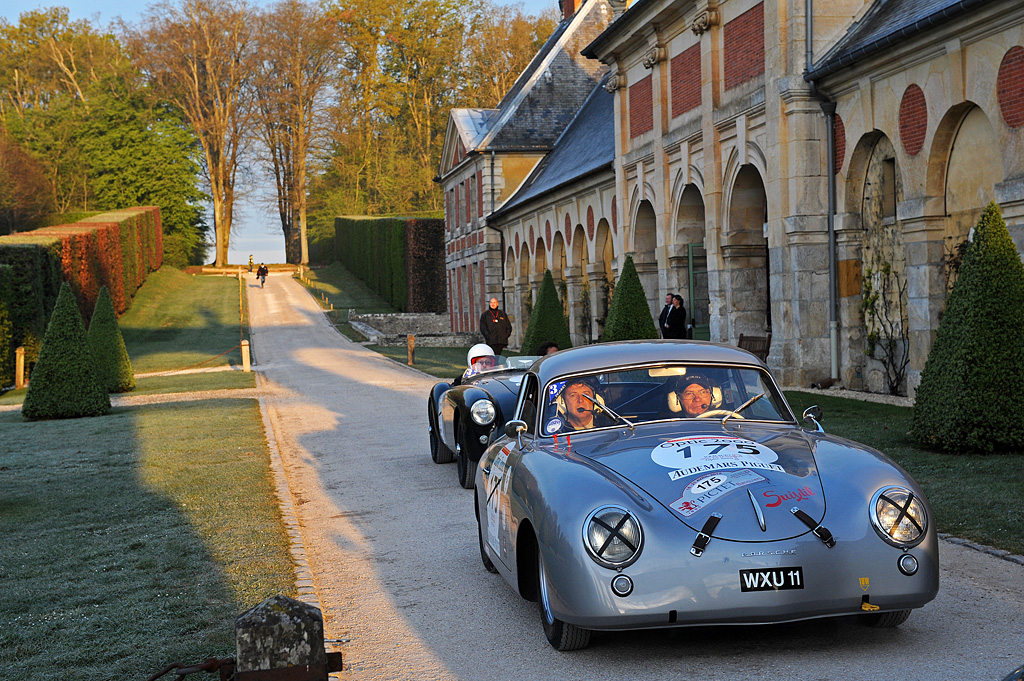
{"x": 250, "y": 263}
{"x": 495, "y": 327}
{"x": 261, "y": 274}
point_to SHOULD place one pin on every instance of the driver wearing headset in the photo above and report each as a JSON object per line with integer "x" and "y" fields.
{"x": 695, "y": 394}
{"x": 580, "y": 399}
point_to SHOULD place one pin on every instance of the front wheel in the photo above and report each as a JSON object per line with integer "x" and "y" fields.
{"x": 885, "y": 620}
{"x": 467, "y": 469}
{"x": 439, "y": 452}
{"x": 561, "y": 635}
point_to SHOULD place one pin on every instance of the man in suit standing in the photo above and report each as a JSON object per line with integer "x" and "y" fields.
{"x": 675, "y": 321}
{"x": 663, "y": 317}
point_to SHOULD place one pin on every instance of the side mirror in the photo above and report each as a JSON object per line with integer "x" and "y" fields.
{"x": 811, "y": 417}
{"x": 513, "y": 429}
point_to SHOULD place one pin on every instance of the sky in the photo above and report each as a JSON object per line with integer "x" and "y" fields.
{"x": 256, "y": 229}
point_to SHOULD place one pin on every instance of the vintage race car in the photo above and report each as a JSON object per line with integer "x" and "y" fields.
{"x": 464, "y": 418}
{"x": 692, "y": 496}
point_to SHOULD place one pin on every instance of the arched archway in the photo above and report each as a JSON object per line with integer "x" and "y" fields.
{"x": 645, "y": 242}
{"x": 745, "y": 249}
{"x": 691, "y": 260}
{"x": 601, "y": 276}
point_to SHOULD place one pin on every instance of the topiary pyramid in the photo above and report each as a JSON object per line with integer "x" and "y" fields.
{"x": 110, "y": 357}
{"x": 63, "y": 383}
{"x": 547, "y": 321}
{"x": 970, "y": 396}
{"x": 629, "y": 315}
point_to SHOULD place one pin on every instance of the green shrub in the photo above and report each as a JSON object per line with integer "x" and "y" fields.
{"x": 547, "y": 320}
{"x": 6, "y": 328}
{"x": 970, "y": 396}
{"x": 110, "y": 357}
{"x": 629, "y": 316}
{"x": 63, "y": 383}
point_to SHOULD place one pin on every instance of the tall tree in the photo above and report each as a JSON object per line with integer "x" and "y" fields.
{"x": 298, "y": 54}
{"x": 200, "y": 55}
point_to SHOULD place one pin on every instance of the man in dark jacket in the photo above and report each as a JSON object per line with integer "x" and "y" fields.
{"x": 675, "y": 322}
{"x": 663, "y": 317}
{"x": 495, "y": 327}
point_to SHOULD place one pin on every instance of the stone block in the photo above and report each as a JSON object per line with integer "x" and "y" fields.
{"x": 278, "y": 633}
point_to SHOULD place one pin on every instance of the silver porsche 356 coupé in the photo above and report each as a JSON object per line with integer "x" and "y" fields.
{"x": 665, "y": 484}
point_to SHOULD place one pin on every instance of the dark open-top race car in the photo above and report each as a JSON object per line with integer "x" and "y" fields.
{"x": 466, "y": 415}
{"x": 666, "y": 484}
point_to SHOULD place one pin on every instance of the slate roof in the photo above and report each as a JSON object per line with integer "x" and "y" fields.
{"x": 473, "y": 124}
{"x": 887, "y": 23}
{"x": 586, "y": 145}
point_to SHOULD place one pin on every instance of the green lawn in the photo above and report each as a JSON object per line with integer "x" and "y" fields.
{"x": 178, "y": 320}
{"x": 975, "y": 497}
{"x": 133, "y": 540}
{"x": 342, "y": 289}
{"x": 445, "y": 363}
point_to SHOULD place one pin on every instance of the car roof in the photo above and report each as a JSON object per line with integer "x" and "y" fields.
{"x": 607, "y": 355}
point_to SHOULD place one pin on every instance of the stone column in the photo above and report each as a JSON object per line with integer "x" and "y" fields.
{"x": 923, "y": 239}
{"x": 574, "y": 291}
{"x": 525, "y": 296}
{"x": 598, "y": 299}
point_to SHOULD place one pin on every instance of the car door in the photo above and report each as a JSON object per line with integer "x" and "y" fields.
{"x": 499, "y": 472}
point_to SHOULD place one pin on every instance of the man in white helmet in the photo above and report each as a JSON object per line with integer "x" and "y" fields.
{"x": 480, "y": 358}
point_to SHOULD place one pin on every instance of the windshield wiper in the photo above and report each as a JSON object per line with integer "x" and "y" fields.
{"x": 611, "y": 412}
{"x": 737, "y": 410}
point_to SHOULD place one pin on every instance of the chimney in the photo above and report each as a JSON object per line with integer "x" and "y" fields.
{"x": 569, "y": 8}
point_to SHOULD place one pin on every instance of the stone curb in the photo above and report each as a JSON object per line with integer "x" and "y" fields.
{"x": 982, "y": 548}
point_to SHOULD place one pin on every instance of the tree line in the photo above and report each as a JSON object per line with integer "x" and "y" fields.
{"x": 342, "y": 103}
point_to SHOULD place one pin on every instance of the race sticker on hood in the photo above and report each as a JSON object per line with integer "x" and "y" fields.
{"x": 707, "y": 454}
{"x": 709, "y": 488}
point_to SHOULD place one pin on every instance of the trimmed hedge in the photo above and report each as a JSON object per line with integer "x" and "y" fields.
{"x": 547, "y": 321}
{"x": 63, "y": 383}
{"x": 970, "y": 397}
{"x": 116, "y": 249}
{"x": 400, "y": 259}
{"x": 110, "y": 356}
{"x": 6, "y": 345}
{"x": 629, "y": 316}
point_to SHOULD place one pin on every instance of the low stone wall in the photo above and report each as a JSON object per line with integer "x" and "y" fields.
{"x": 393, "y": 330}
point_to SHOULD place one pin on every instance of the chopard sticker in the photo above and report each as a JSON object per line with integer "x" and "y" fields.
{"x": 709, "y": 488}
{"x": 692, "y": 455}
{"x": 553, "y": 425}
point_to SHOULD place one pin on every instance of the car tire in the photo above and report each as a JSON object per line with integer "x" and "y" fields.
{"x": 439, "y": 452}
{"x": 488, "y": 564}
{"x": 886, "y": 620}
{"x": 561, "y": 635}
{"x": 466, "y": 469}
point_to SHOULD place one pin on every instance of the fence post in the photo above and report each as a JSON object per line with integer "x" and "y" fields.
{"x": 410, "y": 341}
{"x": 246, "y": 364}
{"x": 19, "y": 368}
{"x": 284, "y": 635}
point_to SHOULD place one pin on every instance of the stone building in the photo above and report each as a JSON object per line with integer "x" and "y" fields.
{"x": 727, "y": 186}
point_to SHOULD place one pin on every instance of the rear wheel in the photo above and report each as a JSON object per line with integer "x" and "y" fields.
{"x": 886, "y": 620}
{"x": 561, "y": 635}
{"x": 439, "y": 453}
{"x": 467, "y": 469}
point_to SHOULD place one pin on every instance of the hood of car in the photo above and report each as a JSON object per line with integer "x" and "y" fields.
{"x": 752, "y": 476}
{"x": 498, "y": 380}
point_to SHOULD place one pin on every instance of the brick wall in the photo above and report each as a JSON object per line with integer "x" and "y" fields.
{"x": 913, "y": 119}
{"x": 1010, "y": 87}
{"x": 686, "y": 81}
{"x": 744, "y": 47}
{"x": 641, "y": 107}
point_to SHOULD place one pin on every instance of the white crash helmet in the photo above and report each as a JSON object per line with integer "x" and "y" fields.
{"x": 477, "y": 351}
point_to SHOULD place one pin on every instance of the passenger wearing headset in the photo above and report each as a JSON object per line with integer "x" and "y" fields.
{"x": 582, "y": 406}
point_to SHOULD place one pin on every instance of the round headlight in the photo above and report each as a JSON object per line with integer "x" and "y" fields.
{"x": 899, "y": 516}
{"x": 482, "y": 412}
{"x": 612, "y": 536}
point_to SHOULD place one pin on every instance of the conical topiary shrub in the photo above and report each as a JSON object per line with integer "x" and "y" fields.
{"x": 109, "y": 355}
{"x": 970, "y": 396}
{"x": 547, "y": 321}
{"x": 629, "y": 315}
{"x": 63, "y": 384}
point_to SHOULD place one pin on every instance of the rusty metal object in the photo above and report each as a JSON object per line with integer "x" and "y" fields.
{"x": 226, "y": 667}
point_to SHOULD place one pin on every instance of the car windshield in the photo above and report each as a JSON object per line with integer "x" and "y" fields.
{"x": 661, "y": 392}
{"x": 491, "y": 363}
